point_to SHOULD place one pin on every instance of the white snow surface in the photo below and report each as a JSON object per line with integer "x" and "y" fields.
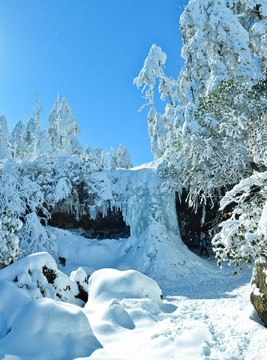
{"x": 202, "y": 316}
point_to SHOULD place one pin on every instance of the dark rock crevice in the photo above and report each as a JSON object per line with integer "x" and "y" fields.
{"x": 112, "y": 226}
{"x": 188, "y": 219}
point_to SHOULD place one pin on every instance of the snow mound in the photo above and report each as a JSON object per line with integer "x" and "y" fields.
{"x": 39, "y": 276}
{"x": 45, "y": 328}
{"x": 122, "y": 300}
{"x": 36, "y": 277}
{"x": 107, "y": 284}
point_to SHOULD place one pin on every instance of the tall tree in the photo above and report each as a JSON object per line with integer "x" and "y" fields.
{"x": 5, "y": 146}
{"x": 17, "y": 138}
{"x": 113, "y": 163}
{"x": 123, "y": 158}
{"x": 200, "y": 132}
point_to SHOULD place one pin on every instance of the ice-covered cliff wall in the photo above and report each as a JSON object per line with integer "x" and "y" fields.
{"x": 154, "y": 246}
{"x": 138, "y": 195}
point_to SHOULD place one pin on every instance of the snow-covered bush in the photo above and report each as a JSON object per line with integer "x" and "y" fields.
{"x": 39, "y": 275}
{"x": 9, "y": 242}
{"x": 241, "y": 240}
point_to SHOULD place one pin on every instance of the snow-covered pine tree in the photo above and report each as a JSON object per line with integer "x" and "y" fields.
{"x": 53, "y": 123}
{"x": 67, "y": 129}
{"x": 99, "y": 159}
{"x": 5, "y": 146}
{"x": 17, "y": 139}
{"x": 42, "y": 144}
{"x": 31, "y": 127}
{"x": 37, "y": 110}
{"x": 123, "y": 158}
{"x": 113, "y": 163}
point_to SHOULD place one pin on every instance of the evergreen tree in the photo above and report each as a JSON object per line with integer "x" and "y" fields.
{"x": 53, "y": 123}
{"x": 17, "y": 139}
{"x": 42, "y": 144}
{"x": 113, "y": 164}
{"x": 5, "y": 147}
{"x": 123, "y": 158}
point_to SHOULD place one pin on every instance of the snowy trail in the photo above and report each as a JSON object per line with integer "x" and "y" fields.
{"x": 221, "y": 305}
{"x": 213, "y": 320}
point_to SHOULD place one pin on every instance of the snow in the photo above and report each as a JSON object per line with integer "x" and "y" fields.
{"x": 205, "y": 313}
{"x": 45, "y": 328}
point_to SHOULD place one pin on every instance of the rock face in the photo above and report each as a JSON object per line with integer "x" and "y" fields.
{"x": 188, "y": 219}
{"x": 258, "y": 296}
{"x": 111, "y": 226}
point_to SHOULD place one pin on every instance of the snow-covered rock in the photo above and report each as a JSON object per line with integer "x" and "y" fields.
{"x": 45, "y": 328}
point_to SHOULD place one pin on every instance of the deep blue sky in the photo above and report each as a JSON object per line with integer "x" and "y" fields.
{"x": 90, "y": 52}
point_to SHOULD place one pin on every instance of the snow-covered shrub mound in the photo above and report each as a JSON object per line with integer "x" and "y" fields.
{"x": 107, "y": 284}
{"x": 37, "y": 276}
{"x": 45, "y": 328}
{"x": 123, "y": 304}
{"x": 110, "y": 290}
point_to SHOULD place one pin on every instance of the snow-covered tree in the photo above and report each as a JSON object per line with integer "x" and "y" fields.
{"x": 9, "y": 241}
{"x": 31, "y": 127}
{"x": 53, "y": 123}
{"x": 67, "y": 129}
{"x": 123, "y": 158}
{"x": 113, "y": 163}
{"x": 200, "y": 131}
{"x": 20, "y": 192}
{"x": 99, "y": 158}
{"x": 42, "y": 144}
{"x": 241, "y": 240}
{"x": 120, "y": 159}
{"x": 216, "y": 46}
{"x": 153, "y": 70}
{"x": 34, "y": 237}
{"x": 37, "y": 110}
{"x": 5, "y": 151}
{"x": 27, "y": 137}
{"x": 17, "y": 139}
{"x": 63, "y": 129}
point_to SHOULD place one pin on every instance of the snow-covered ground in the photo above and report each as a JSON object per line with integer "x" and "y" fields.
{"x": 205, "y": 312}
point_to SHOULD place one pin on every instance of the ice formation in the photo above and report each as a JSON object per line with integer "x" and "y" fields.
{"x": 154, "y": 247}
